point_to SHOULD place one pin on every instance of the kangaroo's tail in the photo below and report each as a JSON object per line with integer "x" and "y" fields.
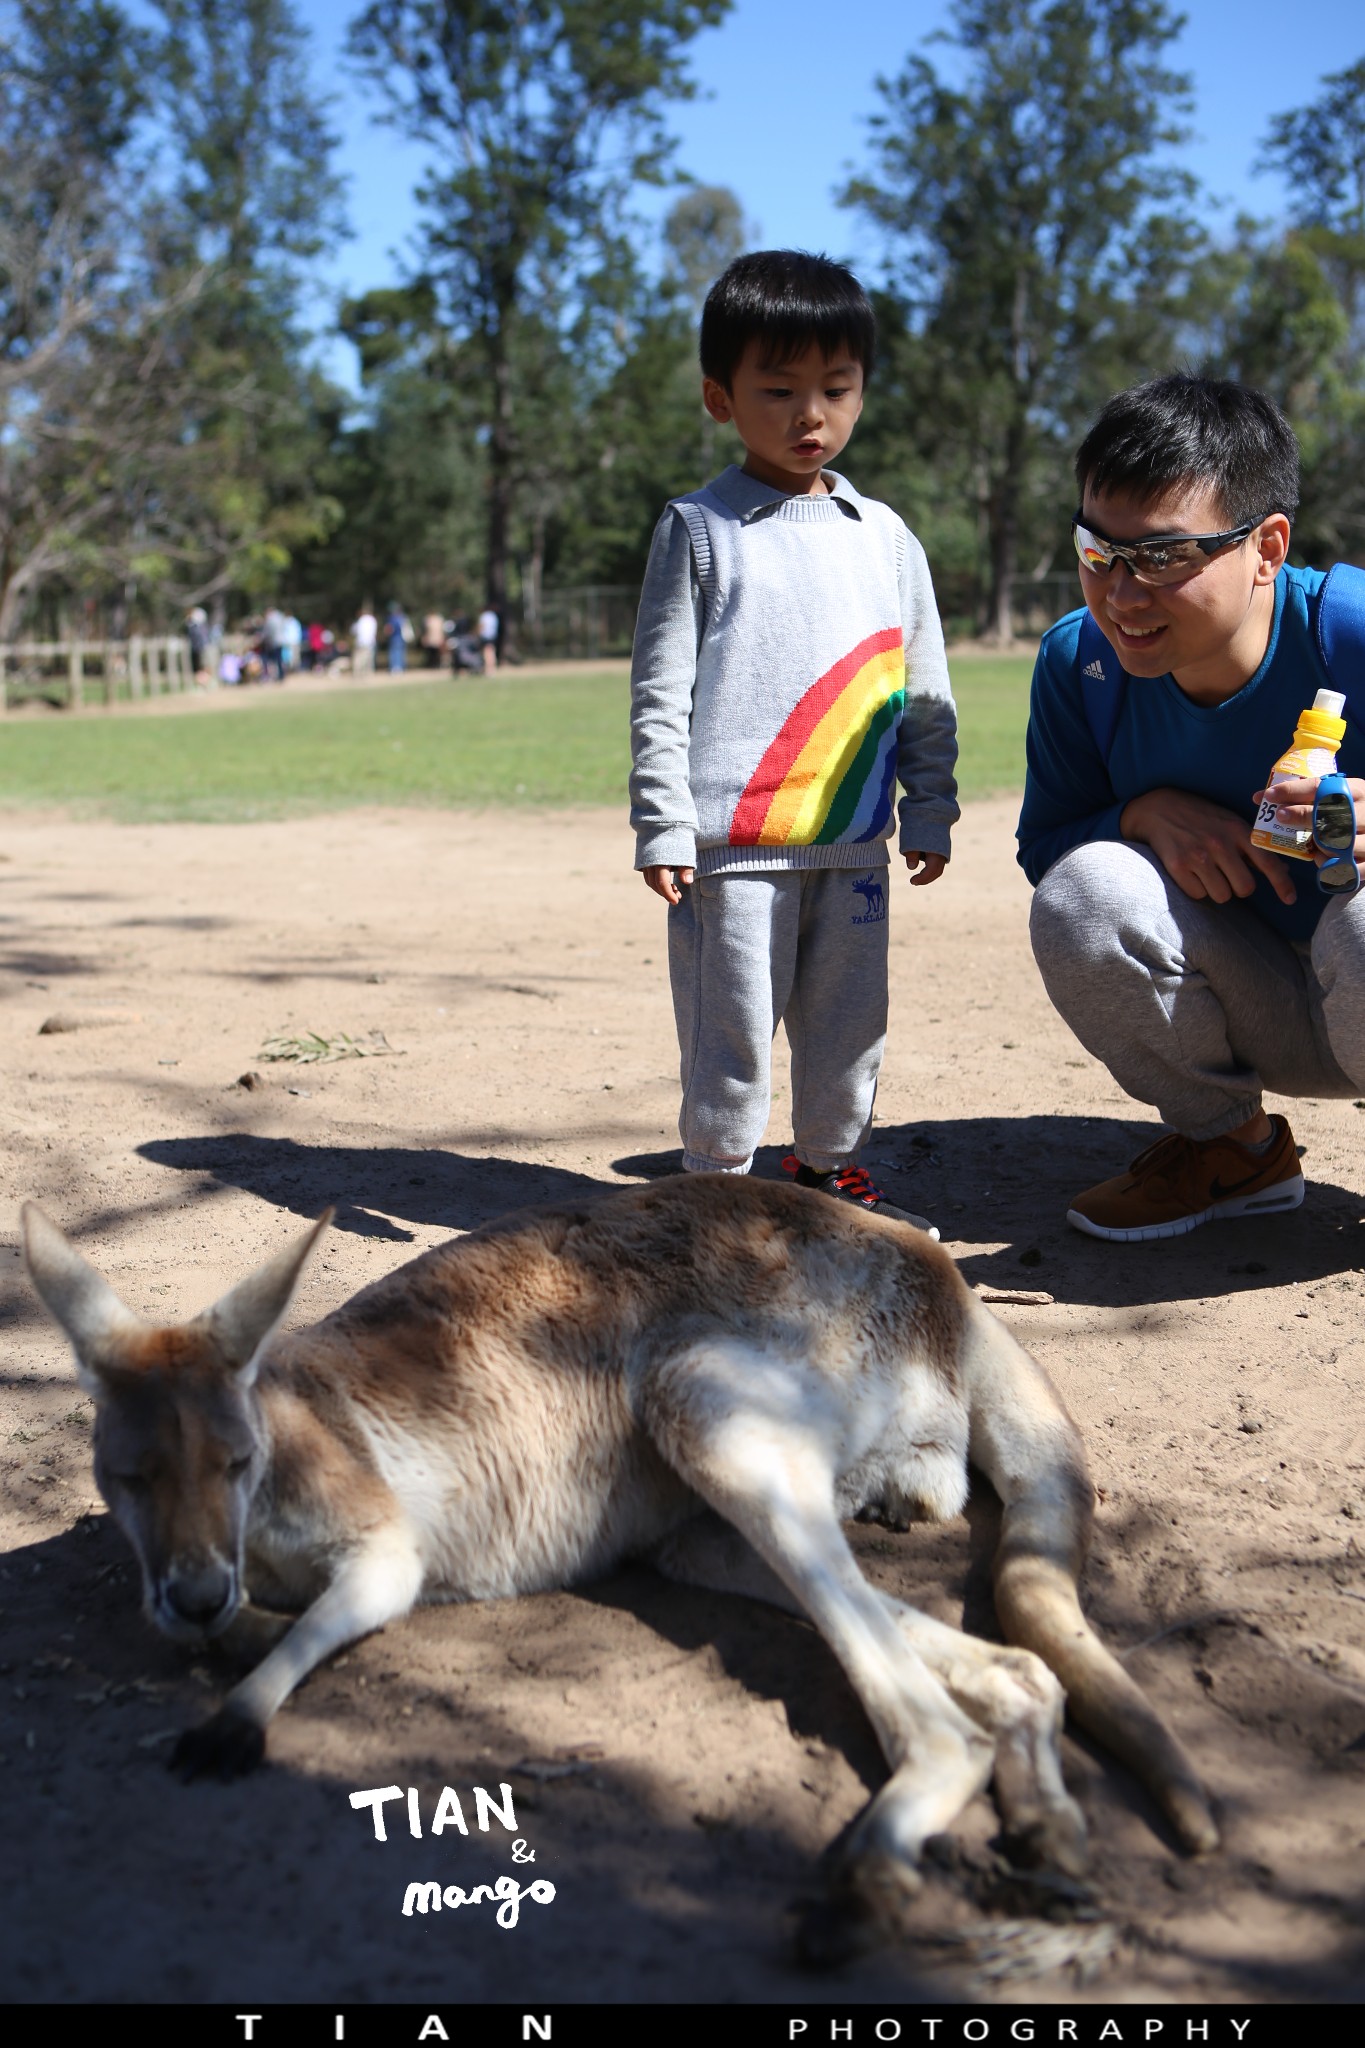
{"x": 1027, "y": 1445}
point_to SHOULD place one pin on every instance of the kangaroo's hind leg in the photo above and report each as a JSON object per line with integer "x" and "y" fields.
{"x": 752, "y": 1440}
{"x": 1009, "y": 1693}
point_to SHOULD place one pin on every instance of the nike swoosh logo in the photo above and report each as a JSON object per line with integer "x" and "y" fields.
{"x": 1219, "y": 1193}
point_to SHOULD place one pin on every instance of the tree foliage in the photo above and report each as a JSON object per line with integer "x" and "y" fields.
{"x": 1037, "y": 237}
{"x": 252, "y": 198}
{"x": 542, "y": 116}
{"x": 529, "y": 392}
{"x": 77, "y": 334}
{"x": 253, "y": 140}
{"x": 159, "y": 422}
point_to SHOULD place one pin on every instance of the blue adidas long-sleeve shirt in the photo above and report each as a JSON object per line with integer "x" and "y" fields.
{"x": 1163, "y": 741}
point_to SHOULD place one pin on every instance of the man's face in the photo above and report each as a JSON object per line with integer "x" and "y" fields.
{"x": 1194, "y": 629}
{"x": 793, "y": 417}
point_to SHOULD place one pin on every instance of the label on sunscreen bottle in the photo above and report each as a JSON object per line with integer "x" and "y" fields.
{"x": 1317, "y": 736}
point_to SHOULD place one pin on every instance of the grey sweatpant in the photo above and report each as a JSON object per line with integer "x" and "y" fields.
{"x": 1197, "y": 1006}
{"x": 748, "y": 951}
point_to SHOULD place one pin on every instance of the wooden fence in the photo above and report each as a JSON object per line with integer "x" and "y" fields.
{"x": 588, "y": 621}
{"x": 77, "y": 672}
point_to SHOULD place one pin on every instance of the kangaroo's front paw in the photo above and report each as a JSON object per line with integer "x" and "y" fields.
{"x": 226, "y": 1747}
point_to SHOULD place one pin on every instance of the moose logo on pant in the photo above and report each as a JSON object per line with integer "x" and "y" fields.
{"x": 873, "y": 892}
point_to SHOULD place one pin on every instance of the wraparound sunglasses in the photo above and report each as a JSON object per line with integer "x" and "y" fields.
{"x": 1334, "y": 833}
{"x": 1158, "y": 557}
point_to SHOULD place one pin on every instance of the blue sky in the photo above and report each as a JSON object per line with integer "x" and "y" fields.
{"x": 788, "y": 88}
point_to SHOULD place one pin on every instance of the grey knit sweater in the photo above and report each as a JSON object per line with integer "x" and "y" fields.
{"x": 788, "y": 667}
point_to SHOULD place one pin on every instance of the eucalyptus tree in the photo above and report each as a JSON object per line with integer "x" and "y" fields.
{"x": 1037, "y": 237}
{"x": 1320, "y": 149}
{"x": 252, "y": 197}
{"x": 541, "y": 117}
{"x": 405, "y": 467}
{"x": 1299, "y": 310}
{"x": 160, "y": 185}
{"x": 74, "y": 323}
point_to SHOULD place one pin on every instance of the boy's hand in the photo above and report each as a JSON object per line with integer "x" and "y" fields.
{"x": 930, "y": 865}
{"x": 665, "y": 882}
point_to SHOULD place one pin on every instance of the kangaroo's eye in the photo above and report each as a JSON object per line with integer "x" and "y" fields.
{"x": 239, "y": 1468}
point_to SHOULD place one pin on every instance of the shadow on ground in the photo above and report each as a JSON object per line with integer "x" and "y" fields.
{"x": 994, "y": 1178}
{"x": 671, "y": 1885}
{"x": 376, "y": 1189}
{"x": 273, "y": 1888}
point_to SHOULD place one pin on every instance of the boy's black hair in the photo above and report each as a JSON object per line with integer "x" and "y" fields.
{"x": 1186, "y": 429}
{"x": 789, "y": 301}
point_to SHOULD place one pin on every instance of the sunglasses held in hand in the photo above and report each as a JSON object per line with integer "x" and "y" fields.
{"x": 1334, "y": 833}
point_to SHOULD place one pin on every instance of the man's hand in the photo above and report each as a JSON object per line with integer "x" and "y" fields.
{"x": 1294, "y": 808}
{"x": 1205, "y": 850}
{"x": 667, "y": 882}
{"x": 930, "y": 865}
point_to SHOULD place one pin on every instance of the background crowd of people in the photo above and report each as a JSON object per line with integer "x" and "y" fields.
{"x": 279, "y": 644}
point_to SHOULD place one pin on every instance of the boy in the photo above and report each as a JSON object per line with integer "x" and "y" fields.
{"x": 1198, "y": 967}
{"x": 788, "y": 666}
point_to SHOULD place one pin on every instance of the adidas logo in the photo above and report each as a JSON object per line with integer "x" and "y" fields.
{"x": 1094, "y": 669}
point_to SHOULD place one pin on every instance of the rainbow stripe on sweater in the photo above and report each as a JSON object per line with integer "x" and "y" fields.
{"x": 829, "y": 773}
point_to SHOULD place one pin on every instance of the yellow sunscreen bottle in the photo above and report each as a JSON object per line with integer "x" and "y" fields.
{"x": 1317, "y": 736}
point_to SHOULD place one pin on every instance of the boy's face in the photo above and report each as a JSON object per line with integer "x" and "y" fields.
{"x": 793, "y": 417}
{"x": 1202, "y": 630}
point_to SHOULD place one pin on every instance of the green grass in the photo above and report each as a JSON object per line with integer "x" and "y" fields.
{"x": 548, "y": 740}
{"x": 992, "y": 715}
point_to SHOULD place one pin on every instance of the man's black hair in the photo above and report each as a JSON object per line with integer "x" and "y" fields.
{"x": 1186, "y": 429}
{"x": 788, "y": 301}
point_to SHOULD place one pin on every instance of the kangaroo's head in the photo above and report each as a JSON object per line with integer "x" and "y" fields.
{"x": 180, "y": 1441}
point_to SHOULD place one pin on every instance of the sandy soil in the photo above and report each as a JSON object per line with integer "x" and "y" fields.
{"x": 518, "y": 975}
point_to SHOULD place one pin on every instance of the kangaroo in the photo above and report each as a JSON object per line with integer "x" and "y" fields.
{"x": 709, "y": 1373}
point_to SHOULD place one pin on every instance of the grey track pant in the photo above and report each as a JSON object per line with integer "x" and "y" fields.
{"x": 748, "y": 951}
{"x": 1197, "y": 1006}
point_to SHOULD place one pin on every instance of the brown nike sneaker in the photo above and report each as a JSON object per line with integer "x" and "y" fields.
{"x": 1179, "y": 1183}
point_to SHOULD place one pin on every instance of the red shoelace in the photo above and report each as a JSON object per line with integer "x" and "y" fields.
{"x": 849, "y": 1180}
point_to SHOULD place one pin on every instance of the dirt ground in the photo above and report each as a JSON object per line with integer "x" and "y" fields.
{"x": 677, "y": 1760}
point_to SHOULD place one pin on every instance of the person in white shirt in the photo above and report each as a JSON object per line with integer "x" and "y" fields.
{"x": 364, "y": 633}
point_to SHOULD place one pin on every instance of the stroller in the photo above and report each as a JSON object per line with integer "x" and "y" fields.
{"x": 466, "y": 648}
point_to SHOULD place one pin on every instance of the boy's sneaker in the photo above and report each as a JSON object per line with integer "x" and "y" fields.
{"x": 1179, "y": 1183}
{"x": 854, "y": 1184}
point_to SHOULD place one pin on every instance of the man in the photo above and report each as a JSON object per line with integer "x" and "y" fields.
{"x": 397, "y": 633}
{"x": 1199, "y": 968}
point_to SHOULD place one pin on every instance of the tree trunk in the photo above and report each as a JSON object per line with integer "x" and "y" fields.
{"x": 8, "y": 596}
{"x": 1005, "y": 519}
{"x": 534, "y": 577}
{"x": 500, "y": 478}
{"x": 14, "y": 594}
{"x": 981, "y": 595}
{"x": 1004, "y": 552}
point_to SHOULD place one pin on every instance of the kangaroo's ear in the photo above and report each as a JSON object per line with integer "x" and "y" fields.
{"x": 85, "y": 1305}
{"x": 245, "y": 1317}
